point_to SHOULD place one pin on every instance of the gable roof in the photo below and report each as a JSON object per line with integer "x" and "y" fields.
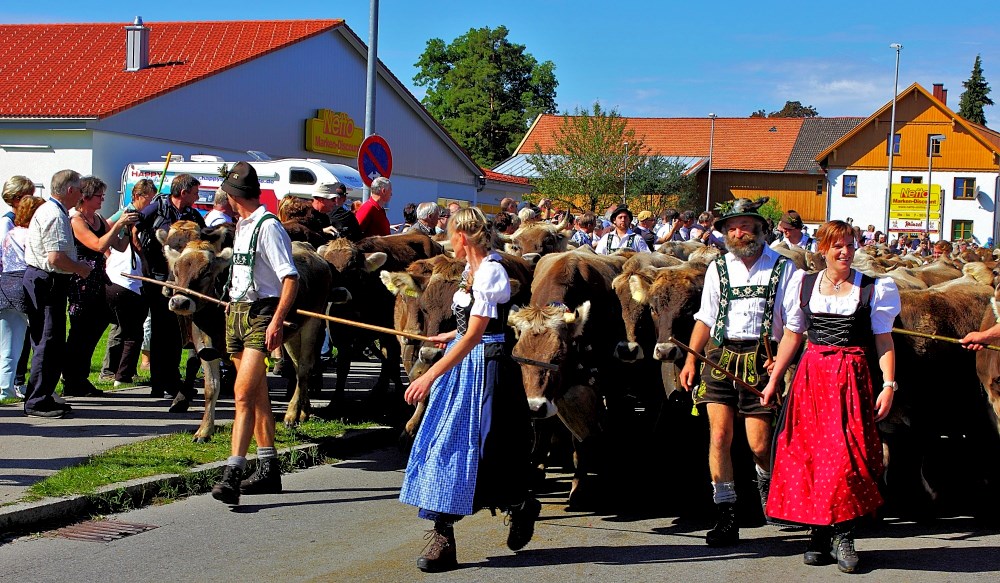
{"x": 78, "y": 70}
{"x": 986, "y": 136}
{"x": 501, "y": 177}
{"x": 748, "y": 144}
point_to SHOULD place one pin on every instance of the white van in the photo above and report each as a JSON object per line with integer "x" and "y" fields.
{"x": 278, "y": 178}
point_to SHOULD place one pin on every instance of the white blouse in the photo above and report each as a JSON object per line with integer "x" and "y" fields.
{"x": 884, "y": 303}
{"x": 490, "y": 287}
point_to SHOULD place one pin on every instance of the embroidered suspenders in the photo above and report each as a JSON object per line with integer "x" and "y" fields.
{"x": 728, "y": 293}
{"x": 249, "y": 257}
{"x": 627, "y": 245}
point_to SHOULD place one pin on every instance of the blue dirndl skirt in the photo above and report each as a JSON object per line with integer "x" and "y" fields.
{"x": 441, "y": 472}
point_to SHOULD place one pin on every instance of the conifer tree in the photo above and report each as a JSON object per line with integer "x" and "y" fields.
{"x": 976, "y": 95}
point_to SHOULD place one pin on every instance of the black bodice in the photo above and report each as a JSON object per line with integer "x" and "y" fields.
{"x": 835, "y": 329}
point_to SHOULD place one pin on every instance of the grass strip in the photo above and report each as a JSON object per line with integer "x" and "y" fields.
{"x": 169, "y": 454}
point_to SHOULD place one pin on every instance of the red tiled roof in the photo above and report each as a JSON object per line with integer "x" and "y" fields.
{"x": 78, "y": 70}
{"x": 498, "y": 177}
{"x": 740, "y": 143}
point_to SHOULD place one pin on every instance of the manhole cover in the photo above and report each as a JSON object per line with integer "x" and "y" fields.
{"x": 101, "y": 531}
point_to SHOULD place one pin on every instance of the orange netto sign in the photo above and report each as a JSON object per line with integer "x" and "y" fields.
{"x": 334, "y": 133}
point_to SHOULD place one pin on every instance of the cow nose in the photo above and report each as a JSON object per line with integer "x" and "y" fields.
{"x": 665, "y": 351}
{"x": 430, "y": 354}
{"x": 628, "y": 351}
{"x": 541, "y": 408}
{"x": 181, "y": 305}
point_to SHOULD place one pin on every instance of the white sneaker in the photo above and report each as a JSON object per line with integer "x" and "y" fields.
{"x": 19, "y": 391}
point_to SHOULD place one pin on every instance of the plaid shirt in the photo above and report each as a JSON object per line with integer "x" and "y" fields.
{"x": 49, "y": 231}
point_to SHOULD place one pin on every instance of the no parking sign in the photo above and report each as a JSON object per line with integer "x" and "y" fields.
{"x": 374, "y": 159}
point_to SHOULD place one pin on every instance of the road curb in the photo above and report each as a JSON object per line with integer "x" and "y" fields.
{"x": 48, "y": 513}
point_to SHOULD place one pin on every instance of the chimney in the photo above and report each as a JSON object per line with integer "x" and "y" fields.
{"x": 940, "y": 93}
{"x": 136, "y": 46}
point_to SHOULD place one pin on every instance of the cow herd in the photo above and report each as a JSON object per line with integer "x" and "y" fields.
{"x": 593, "y": 336}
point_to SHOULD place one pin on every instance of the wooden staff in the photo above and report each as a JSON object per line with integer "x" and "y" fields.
{"x": 941, "y": 338}
{"x": 723, "y": 371}
{"x": 301, "y": 312}
{"x": 163, "y": 176}
{"x": 178, "y": 288}
{"x": 372, "y": 327}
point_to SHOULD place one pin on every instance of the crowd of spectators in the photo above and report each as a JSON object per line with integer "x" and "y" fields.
{"x": 61, "y": 256}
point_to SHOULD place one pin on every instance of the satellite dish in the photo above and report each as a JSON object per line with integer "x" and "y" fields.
{"x": 259, "y": 156}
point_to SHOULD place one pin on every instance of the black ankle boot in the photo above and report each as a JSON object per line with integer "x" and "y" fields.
{"x": 439, "y": 554}
{"x": 228, "y": 489}
{"x": 726, "y": 531}
{"x": 843, "y": 550}
{"x": 266, "y": 478}
{"x": 820, "y": 546}
{"x": 522, "y": 524}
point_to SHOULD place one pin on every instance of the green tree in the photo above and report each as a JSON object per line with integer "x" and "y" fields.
{"x": 791, "y": 109}
{"x": 976, "y": 95}
{"x": 591, "y": 165}
{"x": 485, "y": 90}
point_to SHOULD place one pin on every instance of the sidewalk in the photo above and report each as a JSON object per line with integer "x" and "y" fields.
{"x": 32, "y": 448}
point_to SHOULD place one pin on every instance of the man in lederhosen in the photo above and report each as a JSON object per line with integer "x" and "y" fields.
{"x": 743, "y": 308}
{"x": 262, "y": 286}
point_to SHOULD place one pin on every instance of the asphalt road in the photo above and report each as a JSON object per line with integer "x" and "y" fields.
{"x": 343, "y": 522}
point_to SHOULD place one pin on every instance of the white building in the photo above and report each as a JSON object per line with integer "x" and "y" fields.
{"x": 962, "y": 158}
{"x": 290, "y": 89}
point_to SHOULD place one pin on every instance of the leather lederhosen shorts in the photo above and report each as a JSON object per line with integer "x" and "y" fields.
{"x": 246, "y": 324}
{"x": 743, "y": 358}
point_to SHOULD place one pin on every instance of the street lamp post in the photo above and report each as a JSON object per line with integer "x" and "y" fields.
{"x": 892, "y": 134}
{"x": 931, "y": 139}
{"x": 625, "y": 180}
{"x": 711, "y": 148}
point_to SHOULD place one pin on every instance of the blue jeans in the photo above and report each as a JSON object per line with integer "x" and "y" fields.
{"x": 13, "y": 327}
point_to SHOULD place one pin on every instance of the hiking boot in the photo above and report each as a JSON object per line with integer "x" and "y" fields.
{"x": 228, "y": 489}
{"x": 266, "y": 478}
{"x": 726, "y": 531}
{"x": 439, "y": 554}
{"x": 820, "y": 546}
{"x": 763, "y": 487}
{"x": 522, "y": 524}
{"x": 843, "y": 551}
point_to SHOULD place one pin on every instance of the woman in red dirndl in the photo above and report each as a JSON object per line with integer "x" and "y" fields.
{"x": 828, "y": 455}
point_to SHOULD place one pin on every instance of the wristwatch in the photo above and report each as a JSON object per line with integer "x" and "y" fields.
{"x": 891, "y": 384}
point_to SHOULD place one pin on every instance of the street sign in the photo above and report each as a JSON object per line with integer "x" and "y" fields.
{"x": 374, "y": 159}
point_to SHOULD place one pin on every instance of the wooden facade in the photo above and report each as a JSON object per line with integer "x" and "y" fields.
{"x": 804, "y": 193}
{"x": 961, "y": 150}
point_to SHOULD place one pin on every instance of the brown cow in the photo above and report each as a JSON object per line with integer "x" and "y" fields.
{"x": 673, "y": 295}
{"x": 533, "y": 240}
{"x": 423, "y": 301}
{"x": 573, "y": 322}
{"x": 939, "y": 417}
{"x": 638, "y": 322}
{"x": 359, "y": 295}
{"x": 200, "y": 267}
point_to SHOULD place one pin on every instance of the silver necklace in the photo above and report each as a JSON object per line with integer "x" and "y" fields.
{"x": 835, "y": 286}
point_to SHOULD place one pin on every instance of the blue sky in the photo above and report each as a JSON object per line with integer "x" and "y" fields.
{"x": 649, "y": 58}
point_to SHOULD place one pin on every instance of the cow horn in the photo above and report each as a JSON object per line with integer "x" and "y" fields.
{"x": 562, "y": 224}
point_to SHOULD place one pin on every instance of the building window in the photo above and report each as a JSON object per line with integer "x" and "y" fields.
{"x": 934, "y": 146}
{"x": 912, "y": 180}
{"x": 961, "y": 230}
{"x": 301, "y": 176}
{"x": 965, "y": 189}
{"x": 850, "y": 185}
{"x": 895, "y": 145}
{"x": 819, "y": 186}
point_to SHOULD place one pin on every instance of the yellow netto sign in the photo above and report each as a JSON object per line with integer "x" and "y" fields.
{"x": 333, "y": 132}
{"x": 908, "y": 207}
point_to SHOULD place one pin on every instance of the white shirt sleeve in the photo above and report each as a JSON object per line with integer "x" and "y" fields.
{"x": 709, "y": 310}
{"x": 885, "y": 305}
{"x": 795, "y": 318}
{"x": 276, "y": 248}
{"x": 491, "y": 286}
{"x": 639, "y": 244}
{"x": 602, "y": 244}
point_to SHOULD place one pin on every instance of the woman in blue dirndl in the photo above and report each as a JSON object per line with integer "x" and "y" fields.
{"x": 472, "y": 448}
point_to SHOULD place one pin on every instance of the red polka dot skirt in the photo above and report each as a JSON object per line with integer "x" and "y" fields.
{"x": 828, "y": 455}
